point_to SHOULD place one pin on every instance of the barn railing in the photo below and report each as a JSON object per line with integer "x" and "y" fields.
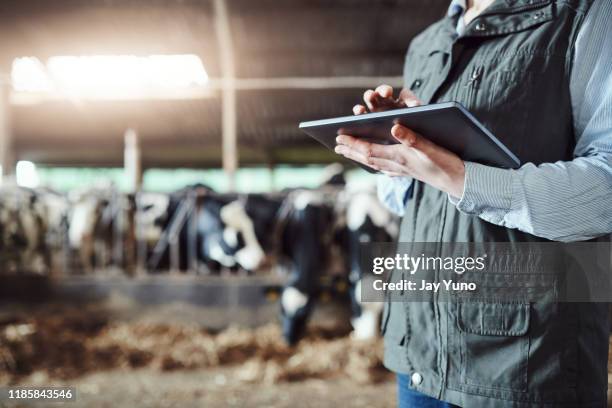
{"x": 184, "y": 216}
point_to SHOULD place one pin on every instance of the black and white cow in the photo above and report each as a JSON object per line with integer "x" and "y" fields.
{"x": 99, "y": 225}
{"x": 238, "y": 231}
{"x": 232, "y": 231}
{"x": 331, "y": 223}
{"x": 28, "y": 218}
{"x": 307, "y": 237}
{"x": 367, "y": 221}
{"x": 308, "y": 231}
{"x": 151, "y": 215}
{"x": 161, "y": 217}
{"x": 22, "y": 234}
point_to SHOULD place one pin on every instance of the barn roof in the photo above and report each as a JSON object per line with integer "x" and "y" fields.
{"x": 294, "y": 60}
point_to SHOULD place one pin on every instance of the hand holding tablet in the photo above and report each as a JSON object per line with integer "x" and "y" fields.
{"x": 429, "y": 143}
{"x": 448, "y": 125}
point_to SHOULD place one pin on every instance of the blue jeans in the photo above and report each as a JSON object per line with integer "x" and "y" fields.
{"x": 409, "y": 398}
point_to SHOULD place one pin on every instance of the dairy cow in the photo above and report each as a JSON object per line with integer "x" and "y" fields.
{"x": 307, "y": 237}
{"x": 367, "y": 221}
{"x": 231, "y": 231}
{"x": 330, "y": 223}
{"x": 237, "y": 231}
{"x": 30, "y": 221}
{"x": 91, "y": 225}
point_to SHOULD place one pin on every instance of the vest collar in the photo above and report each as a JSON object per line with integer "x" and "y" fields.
{"x": 506, "y": 6}
{"x": 509, "y": 16}
{"x": 459, "y": 6}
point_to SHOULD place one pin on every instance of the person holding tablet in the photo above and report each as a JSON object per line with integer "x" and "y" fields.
{"x": 538, "y": 75}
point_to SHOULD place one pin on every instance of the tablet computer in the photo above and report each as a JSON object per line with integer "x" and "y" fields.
{"x": 447, "y": 124}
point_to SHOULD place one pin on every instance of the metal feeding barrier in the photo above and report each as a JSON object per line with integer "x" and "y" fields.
{"x": 185, "y": 215}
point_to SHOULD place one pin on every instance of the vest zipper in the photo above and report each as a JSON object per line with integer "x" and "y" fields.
{"x": 472, "y": 84}
{"x": 474, "y": 80}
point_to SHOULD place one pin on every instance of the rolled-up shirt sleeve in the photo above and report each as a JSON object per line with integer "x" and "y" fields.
{"x": 562, "y": 201}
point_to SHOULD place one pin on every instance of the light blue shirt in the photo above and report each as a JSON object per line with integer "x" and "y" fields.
{"x": 562, "y": 201}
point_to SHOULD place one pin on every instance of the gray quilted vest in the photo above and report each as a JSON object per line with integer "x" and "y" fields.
{"x": 511, "y": 69}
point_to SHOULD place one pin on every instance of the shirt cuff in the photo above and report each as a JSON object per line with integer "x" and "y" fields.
{"x": 393, "y": 192}
{"x": 486, "y": 188}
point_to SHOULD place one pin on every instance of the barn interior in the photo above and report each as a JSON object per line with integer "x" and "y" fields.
{"x": 153, "y": 180}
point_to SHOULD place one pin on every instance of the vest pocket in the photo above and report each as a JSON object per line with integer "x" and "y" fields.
{"x": 494, "y": 345}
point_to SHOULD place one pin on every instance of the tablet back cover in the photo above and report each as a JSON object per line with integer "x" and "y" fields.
{"x": 446, "y": 124}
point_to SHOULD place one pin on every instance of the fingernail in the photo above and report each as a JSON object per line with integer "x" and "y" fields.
{"x": 338, "y": 139}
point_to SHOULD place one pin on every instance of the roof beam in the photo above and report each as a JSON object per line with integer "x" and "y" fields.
{"x": 350, "y": 82}
{"x": 233, "y": 86}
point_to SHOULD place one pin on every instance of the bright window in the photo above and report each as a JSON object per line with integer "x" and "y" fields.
{"x": 108, "y": 76}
